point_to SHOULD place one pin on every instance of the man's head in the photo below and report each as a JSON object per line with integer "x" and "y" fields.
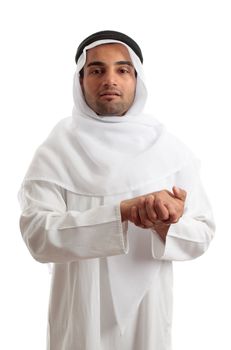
{"x": 108, "y": 77}
{"x": 108, "y": 81}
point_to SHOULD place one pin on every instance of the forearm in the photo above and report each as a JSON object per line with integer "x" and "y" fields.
{"x": 185, "y": 240}
{"x": 56, "y": 237}
{"x": 55, "y": 231}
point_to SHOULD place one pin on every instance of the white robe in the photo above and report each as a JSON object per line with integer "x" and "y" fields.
{"x": 80, "y": 234}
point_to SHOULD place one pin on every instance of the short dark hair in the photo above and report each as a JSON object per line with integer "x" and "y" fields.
{"x": 81, "y": 73}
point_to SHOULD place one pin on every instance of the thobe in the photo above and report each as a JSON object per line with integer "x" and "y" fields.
{"x": 80, "y": 234}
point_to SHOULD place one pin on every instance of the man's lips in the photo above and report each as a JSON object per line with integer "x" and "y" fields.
{"x": 110, "y": 93}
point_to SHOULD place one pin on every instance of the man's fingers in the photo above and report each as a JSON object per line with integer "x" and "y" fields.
{"x": 174, "y": 214}
{"x": 143, "y": 214}
{"x": 157, "y": 207}
{"x": 149, "y": 205}
{"x": 135, "y": 216}
{"x": 179, "y": 193}
{"x": 161, "y": 210}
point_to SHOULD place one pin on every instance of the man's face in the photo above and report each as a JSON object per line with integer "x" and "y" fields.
{"x": 109, "y": 80}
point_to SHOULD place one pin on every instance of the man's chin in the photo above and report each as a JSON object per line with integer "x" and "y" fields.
{"x": 111, "y": 110}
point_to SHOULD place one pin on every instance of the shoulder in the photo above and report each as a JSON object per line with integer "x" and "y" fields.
{"x": 62, "y": 127}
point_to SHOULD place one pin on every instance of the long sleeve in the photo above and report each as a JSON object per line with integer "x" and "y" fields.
{"x": 191, "y": 236}
{"x": 53, "y": 233}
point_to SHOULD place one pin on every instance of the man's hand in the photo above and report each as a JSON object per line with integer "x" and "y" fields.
{"x": 158, "y": 209}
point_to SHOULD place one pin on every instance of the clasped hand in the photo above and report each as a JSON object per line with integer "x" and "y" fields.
{"x": 154, "y": 209}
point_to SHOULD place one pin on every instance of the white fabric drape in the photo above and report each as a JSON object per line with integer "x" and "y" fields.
{"x": 84, "y": 237}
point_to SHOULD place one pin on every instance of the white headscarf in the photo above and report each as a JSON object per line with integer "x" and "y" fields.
{"x": 121, "y": 152}
{"x": 107, "y": 156}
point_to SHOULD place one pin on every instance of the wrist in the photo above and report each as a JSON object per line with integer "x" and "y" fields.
{"x": 162, "y": 230}
{"x": 123, "y": 211}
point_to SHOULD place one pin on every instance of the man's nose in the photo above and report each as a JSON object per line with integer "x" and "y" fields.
{"x": 110, "y": 79}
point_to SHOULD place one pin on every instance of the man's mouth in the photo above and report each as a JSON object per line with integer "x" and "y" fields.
{"x": 109, "y": 93}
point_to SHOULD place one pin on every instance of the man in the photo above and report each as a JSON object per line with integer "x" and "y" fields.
{"x": 111, "y": 199}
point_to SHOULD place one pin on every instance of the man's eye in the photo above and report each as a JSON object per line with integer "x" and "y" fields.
{"x": 124, "y": 70}
{"x": 96, "y": 71}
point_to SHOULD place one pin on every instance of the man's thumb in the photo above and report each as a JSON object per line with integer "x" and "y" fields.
{"x": 179, "y": 193}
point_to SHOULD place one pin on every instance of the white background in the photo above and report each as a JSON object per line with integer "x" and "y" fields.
{"x": 187, "y": 59}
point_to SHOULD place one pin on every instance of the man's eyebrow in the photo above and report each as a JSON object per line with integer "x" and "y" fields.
{"x": 95, "y": 63}
{"x": 118, "y": 63}
{"x": 128, "y": 63}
